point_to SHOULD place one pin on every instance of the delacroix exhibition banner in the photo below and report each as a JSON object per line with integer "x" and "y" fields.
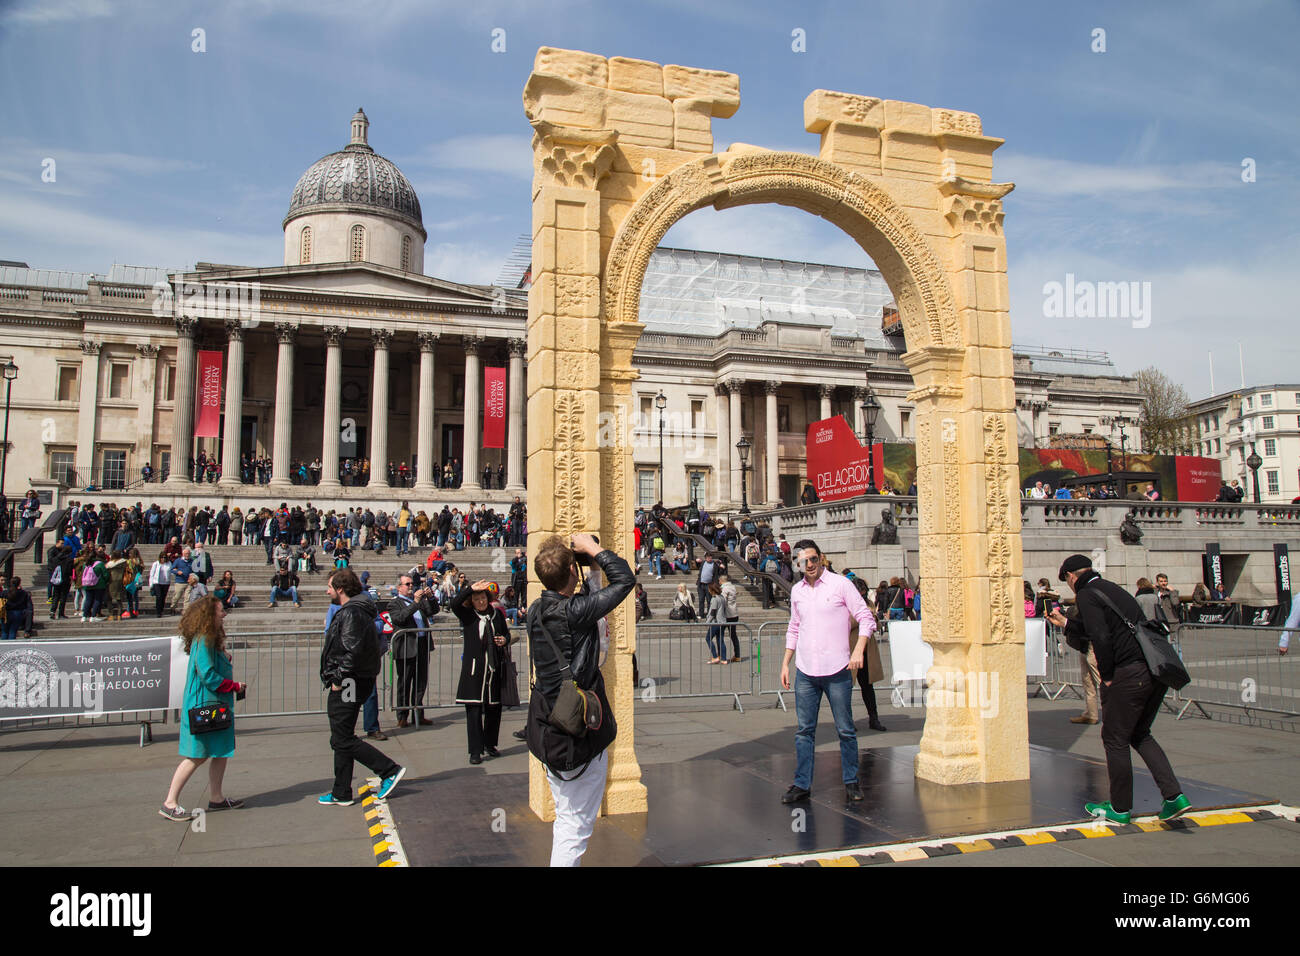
{"x": 494, "y": 407}
{"x": 207, "y": 396}
{"x": 837, "y": 462}
{"x": 84, "y": 678}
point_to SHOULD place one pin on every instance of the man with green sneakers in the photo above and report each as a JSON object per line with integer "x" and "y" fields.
{"x": 1130, "y": 696}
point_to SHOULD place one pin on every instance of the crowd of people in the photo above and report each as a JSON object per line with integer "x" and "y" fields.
{"x": 353, "y": 472}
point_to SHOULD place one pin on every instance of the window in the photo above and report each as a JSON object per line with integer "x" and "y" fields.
{"x": 697, "y": 485}
{"x": 1052, "y": 429}
{"x": 647, "y": 403}
{"x": 304, "y": 255}
{"x": 62, "y": 467}
{"x": 1266, "y": 400}
{"x": 358, "y": 244}
{"x": 119, "y": 380}
{"x": 1087, "y": 429}
{"x": 169, "y": 384}
{"x": 164, "y": 464}
{"x": 783, "y": 418}
{"x": 1216, "y": 423}
{"x": 1249, "y": 403}
{"x": 1270, "y": 447}
{"x": 1218, "y": 446}
{"x": 905, "y": 423}
{"x": 67, "y": 387}
{"x": 645, "y": 488}
{"x": 406, "y": 253}
{"x": 114, "y": 470}
{"x": 1268, "y": 421}
{"x": 1273, "y": 486}
{"x": 697, "y": 414}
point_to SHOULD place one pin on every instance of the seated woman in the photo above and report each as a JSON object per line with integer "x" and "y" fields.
{"x": 225, "y": 591}
{"x": 683, "y": 608}
{"x": 510, "y": 604}
{"x": 342, "y": 553}
{"x": 680, "y": 561}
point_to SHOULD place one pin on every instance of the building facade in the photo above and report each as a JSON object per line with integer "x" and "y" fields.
{"x": 1264, "y": 419}
{"x": 347, "y": 351}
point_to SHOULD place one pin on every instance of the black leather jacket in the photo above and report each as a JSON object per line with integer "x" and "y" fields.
{"x": 571, "y": 623}
{"x": 351, "y": 643}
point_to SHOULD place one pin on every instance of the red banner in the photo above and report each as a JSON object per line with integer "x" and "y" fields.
{"x": 207, "y": 396}
{"x": 837, "y": 462}
{"x": 494, "y": 407}
{"x": 1198, "y": 478}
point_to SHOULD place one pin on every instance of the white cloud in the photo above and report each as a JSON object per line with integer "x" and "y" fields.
{"x": 66, "y": 237}
{"x": 43, "y": 12}
{"x": 506, "y": 154}
{"x": 1067, "y": 177}
{"x": 468, "y": 263}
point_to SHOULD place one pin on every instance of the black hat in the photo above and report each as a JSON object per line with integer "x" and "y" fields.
{"x": 1075, "y": 562}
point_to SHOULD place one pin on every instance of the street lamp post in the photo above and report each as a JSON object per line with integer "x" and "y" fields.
{"x": 661, "y": 402}
{"x": 10, "y": 373}
{"x": 870, "y": 411}
{"x": 1253, "y": 462}
{"x": 742, "y": 449}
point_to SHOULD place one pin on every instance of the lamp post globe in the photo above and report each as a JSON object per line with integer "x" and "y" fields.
{"x": 1253, "y": 463}
{"x": 661, "y": 402}
{"x": 742, "y": 449}
{"x": 10, "y": 374}
{"x": 870, "y": 412}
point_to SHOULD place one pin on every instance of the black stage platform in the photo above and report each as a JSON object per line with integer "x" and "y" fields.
{"x": 715, "y": 810}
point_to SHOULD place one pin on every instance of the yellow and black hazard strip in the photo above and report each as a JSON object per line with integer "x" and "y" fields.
{"x": 380, "y": 826}
{"x": 869, "y": 856}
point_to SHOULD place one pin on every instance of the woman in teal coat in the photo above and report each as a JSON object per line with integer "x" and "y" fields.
{"x": 207, "y": 681}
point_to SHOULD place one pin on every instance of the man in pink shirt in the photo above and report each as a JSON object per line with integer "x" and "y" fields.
{"x": 822, "y": 608}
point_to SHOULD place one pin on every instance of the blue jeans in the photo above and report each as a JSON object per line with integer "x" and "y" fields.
{"x": 808, "y": 691}
{"x": 656, "y": 562}
{"x": 719, "y": 649}
{"x": 403, "y": 541}
{"x": 281, "y": 592}
{"x": 370, "y": 711}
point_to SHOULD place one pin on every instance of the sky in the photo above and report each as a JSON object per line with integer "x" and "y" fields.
{"x": 1162, "y": 151}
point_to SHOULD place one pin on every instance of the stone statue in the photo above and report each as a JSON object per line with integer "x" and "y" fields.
{"x": 1129, "y": 532}
{"x": 886, "y": 531}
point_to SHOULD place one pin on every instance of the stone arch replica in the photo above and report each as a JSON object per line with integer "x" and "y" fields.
{"x": 623, "y": 149}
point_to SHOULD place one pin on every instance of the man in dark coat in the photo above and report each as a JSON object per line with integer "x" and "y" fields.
{"x": 411, "y": 609}
{"x": 1130, "y": 696}
{"x": 349, "y": 664}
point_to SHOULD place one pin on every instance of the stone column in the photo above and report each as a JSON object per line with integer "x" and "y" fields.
{"x": 329, "y": 458}
{"x": 859, "y": 421}
{"x": 234, "y": 404}
{"x": 824, "y": 392}
{"x": 183, "y": 406}
{"x": 426, "y": 457}
{"x": 379, "y": 410}
{"x": 88, "y": 407}
{"x": 515, "y": 424}
{"x": 148, "y": 378}
{"x": 736, "y": 388}
{"x": 724, "y": 448}
{"x": 473, "y": 411}
{"x": 772, "y": 453}
{"x": 282, "y": 441}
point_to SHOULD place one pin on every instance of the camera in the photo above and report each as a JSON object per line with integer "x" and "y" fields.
{"x": 584, "y": 560}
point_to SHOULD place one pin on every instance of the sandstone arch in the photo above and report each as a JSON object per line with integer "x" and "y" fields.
{"x": 622, "y": 150}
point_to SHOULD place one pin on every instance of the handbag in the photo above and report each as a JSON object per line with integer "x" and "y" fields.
{"x": 207, "y": 718}
{"x": 576, "y": 711}
{"x": 1161, "y": 656}
{"x": 510, "y": 684}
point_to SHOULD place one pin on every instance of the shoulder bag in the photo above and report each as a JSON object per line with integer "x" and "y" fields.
{"x": 576, "y": 711}
{"x": 209, "y": 717}
{"x": 1161, "y": 656}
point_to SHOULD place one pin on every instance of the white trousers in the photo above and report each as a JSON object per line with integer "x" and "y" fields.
{"x": 577, "y": 803}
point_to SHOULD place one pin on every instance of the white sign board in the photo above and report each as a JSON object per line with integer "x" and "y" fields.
{"x": 912, "y": 658}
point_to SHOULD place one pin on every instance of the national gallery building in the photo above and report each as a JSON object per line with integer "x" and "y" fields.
{"x": 348, "y": 351}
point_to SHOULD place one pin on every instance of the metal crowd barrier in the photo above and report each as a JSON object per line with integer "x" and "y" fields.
{"x": 1238, "y": 667}
{"x": 443, "y": 672}
{"x": 673, "y": 661}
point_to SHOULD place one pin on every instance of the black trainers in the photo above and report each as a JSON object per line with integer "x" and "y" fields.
{"x": 491, "y": 752}
{"x": 226, "y": 804}
{"x": 852, "y": 792}
{"x": 795, "y": 794}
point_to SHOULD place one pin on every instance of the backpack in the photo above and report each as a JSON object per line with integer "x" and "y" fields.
{"x": 657, "y": 543}
{"x": 88, "y": 577}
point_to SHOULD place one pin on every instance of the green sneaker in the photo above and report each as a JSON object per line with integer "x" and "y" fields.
{"x": 1176, "y": 807}
{"x": 1105, "y": 810}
